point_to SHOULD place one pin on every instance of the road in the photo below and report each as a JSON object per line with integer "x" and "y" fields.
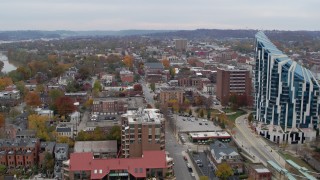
{"x": 146, "y": 91}
{"x": 84, "y": 119}
{"x": 253, "y": 144}
{"x": 175, "y": 149}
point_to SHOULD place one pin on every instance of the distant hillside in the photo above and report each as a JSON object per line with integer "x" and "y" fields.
{"x": 27, "y": 35}
{"x": 32, "y": 35}
{"x": 227, "y": 34}
{"x": 188, "y": 34}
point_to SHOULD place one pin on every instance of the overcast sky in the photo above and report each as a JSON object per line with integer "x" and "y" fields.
{"x": 159, "y": 14}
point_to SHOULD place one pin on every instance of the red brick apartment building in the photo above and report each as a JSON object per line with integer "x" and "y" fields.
{"x": 84, "y": 166}
{"x": 232, "y": 80}
{"x": 19, "y": 152}
{"x": 171, "y": 93}
{"x": 109, "y": 106}
{"x": 142, "y": 130}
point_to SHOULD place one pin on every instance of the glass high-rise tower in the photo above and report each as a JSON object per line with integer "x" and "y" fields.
{"x": 286, "y": 95}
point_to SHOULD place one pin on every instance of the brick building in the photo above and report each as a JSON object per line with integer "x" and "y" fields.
{"x": 85, "y": 166}
{"x": 142, "y": 130}
{"x": 19, "y": 152}
{"x": 259, "y": 172}
{"x": 109, "y": 105}
{"x": 231, "y": 80}
{"x": 126, "y": 76}
{"x": 171, "y": 93}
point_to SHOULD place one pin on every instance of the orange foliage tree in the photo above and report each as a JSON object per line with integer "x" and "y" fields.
{"x": 65, "y": 105}
{"x": 32, "y": 99}
{"x": 128, "y": 61}
{"x": 2, "y": 120}
{"x": 166, "y": 63}
{"x": 4, "y": 82}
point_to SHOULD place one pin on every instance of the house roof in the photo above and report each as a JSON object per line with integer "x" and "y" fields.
{"x": 101, "y": 167}
{"x": 222, "y": 149}
{"x": 155, "y": 65}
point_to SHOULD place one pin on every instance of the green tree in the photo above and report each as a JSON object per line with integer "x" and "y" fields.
{"x": 153, "y": 86}
{"x": 172, "y": 72}
{"x": 48, "y": 163}
{"x": 54, "y": 94}
{"x": 3, "y": 169}
{"x": 208, "y": 114}
{"x": 233, "y": 99}
{"x": 224, "y": 171}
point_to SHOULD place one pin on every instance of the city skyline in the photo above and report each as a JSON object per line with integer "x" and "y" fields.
{"x": 164, "y": 15}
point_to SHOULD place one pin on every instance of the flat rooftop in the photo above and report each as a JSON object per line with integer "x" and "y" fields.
{"x": 152, "y": 116}
{"x": 205, "y": 135}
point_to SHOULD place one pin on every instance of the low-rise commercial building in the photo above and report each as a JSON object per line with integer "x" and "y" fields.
{"x": 85, "y": 166}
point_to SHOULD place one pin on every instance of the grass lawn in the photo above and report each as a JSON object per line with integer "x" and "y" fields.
{"x": 297, "y": 160}
{"x": 235, "y": 115}
{"x": 227, "y": 110}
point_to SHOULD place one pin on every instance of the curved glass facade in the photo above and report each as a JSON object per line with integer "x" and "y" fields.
{"x": 286, "y": 93}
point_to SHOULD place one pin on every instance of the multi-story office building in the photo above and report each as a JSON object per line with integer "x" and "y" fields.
{"x": 286, "y": 95}
{"x": 234, "y": 80}
{"x": 181, "y": 44}
{"x": 142, "y": 130}
{"x": 171, "y": 93}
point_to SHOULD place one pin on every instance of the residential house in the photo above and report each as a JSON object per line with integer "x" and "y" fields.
{"x": 15, "y": 153}
{"x": 65, "y": 130}
{"x": 222, "y": 152}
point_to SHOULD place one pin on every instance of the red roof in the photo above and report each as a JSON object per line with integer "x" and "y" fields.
{"x": 101, "y": 167}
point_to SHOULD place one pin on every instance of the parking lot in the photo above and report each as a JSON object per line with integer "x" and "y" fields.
{"x": 201, "y": 160}
{"x": 192, "y": 124}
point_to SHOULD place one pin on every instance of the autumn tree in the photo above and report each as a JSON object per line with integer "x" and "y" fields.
{"x": 250, "y": 117}
{"x": 137, "y": 87}
{"x": 40, "y": 88}
{"x": 65, "y": 139}
{"x": 32, "y": 99}
{"x": 88, "y": 103}
{"x": 4, "y": 82}
{"x": 166, "y": 63}
{"x": 224, "y": 171}
{"x": 201, "y": 113}
{"x": 2, "y": 120}
{"x": 38, "y": 123}
{"x": 65, "y": 105}
{"x": 128, "y": 61}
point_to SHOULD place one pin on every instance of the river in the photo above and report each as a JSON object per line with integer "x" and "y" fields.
{"x": 7, "y": 66}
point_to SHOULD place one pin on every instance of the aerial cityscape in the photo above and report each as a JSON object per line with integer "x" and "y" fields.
{"x": 162, "y": 90}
